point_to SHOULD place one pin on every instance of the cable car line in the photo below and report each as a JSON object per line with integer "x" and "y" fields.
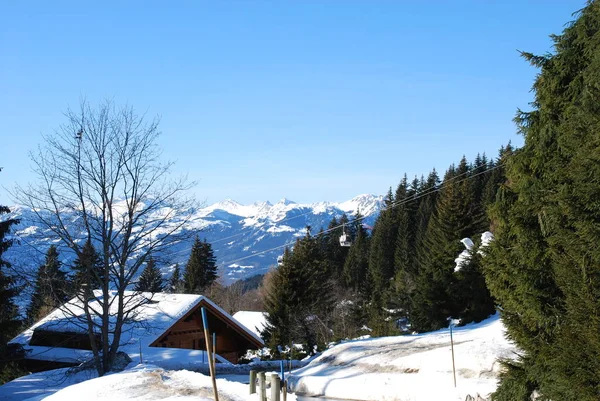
{"x": 390, "y": 206}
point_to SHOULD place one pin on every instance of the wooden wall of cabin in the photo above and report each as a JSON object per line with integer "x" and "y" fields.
{"x": 188, "y": 333}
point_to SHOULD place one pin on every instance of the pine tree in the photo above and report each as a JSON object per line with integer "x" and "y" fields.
{"x": 357, "y": 261}
{"x": 9, "y": 321}
{"x": 427, "y": 198}
{"x": 88, "y": 268}
{"x": 405, "y": 255}
{"x": 469, "y": 291}
{"x": 453, "y": 220}
{"x": 175, "y": 284}
{"x": 544, "y": 265}
{"x": 201, "y": 268}
{"x": 8, "y": 311}
{"x": 381, "y": 255}
{"x": 151, "y": 278}
{"x": 334, "y": 254}
{"x": 50, "y": 290}
{"x": 299, "y": 299}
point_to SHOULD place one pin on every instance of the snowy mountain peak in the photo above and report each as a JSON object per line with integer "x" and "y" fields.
{"x": 285, "y": 201}
{"x": 367, "y": 204}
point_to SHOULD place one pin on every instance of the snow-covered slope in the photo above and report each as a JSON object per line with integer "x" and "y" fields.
{"x": 412, "y": 367}
{"x": 241, "y": 235}
{"x": 141, "y": 383}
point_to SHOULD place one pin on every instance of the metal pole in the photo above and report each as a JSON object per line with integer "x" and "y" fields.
{"x": 211, "y": 368}
{"x": 452, "y": 347}
{"x": 282, "y": 370}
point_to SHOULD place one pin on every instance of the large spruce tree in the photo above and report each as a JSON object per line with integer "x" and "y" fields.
{"x": 9, "y": 321}
{"x": 88, "y": 268}
{"x": 299, "y": 298}
{"x": 201, "y": 269}
{"x": 544, "y": 265}
{"x": 151, "y": 278}
{"x": 51, "y": 287}
{"x": 175, "y": 284}
{"x": 356, "y": 264}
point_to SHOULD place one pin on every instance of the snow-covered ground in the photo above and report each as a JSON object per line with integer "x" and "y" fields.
{"x": 142, "y": 382}
{"x": 401, "y": 368}
{"x": 414, "y": 367}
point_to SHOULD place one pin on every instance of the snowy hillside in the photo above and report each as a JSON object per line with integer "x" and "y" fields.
{"x": 241, "y": 235}
{"x": 141, "y": 383}
{"x": 414, "y": 367}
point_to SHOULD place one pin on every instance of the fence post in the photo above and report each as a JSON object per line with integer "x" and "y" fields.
{"x": 284, "y": 390}
{"x": 263, "y": 386}
{"x": 275, "y": 387}
{"x": 252, "y": 381}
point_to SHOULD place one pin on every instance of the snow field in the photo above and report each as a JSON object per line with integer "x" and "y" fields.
{"x": 415, "y": 368}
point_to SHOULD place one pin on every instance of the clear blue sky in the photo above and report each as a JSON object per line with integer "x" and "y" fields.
{"x": 259, "y": 100}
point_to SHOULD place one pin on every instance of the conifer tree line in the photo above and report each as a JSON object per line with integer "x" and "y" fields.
{"x": 53, "y": 286}
{"x": 401, "y": 270}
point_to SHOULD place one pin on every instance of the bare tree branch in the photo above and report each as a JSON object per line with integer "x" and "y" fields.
{"x": 101, "y": 179}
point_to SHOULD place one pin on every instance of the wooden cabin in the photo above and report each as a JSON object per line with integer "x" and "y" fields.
{"x": 172, "y": 322}
{"x": 232, "y": 339}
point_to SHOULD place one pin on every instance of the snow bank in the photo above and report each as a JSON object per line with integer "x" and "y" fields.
{"x": 416, "y": 368}
{"x": 142, "y": 382}
{"x": 38, "y": 386}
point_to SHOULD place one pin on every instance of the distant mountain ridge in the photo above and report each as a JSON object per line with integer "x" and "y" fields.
{"x": 242, "y": 236}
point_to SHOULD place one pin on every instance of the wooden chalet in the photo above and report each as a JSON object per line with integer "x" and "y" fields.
{"x": 232, "y": 338}
{"x": 166, "y": 327}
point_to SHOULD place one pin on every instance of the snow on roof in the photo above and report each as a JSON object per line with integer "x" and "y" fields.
{"x": 254, "y": 321}
{"x": 154, "y": 314}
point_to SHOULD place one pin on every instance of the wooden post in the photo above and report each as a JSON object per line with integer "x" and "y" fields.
{"x": 275, "y": 387}
{"x": 252, "y": 381}
{"x": 284, "y": 389}
{"x": 211, "y": 367}
{"x": 214, "y": 349}
{"x": 262, "y": 396}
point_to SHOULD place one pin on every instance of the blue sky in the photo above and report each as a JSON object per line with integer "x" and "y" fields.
{"x": 260, "y": 100}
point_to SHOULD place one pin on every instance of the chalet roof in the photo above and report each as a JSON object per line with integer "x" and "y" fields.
{"x": 154, "y": 315}
{"x": 254, "y": 321}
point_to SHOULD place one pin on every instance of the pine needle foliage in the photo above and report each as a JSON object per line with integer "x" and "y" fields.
{"x": 51, "y": 287}
{"x": 151, "y": 278}
{"x": 88, "y": 268}
{"x": 544, "y": 266}
{"x": 201, "y": 269}
{"x": 9, "y": 320}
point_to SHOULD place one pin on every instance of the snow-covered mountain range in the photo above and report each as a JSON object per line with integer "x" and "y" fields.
{"x": 242, "y": 236}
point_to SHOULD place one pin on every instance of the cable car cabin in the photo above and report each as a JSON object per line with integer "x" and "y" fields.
{"x": 345, "y": 240}
{"x": 279, "y": 260}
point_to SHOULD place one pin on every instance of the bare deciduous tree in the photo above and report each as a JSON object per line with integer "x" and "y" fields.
{"x": 100, "y": 179}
